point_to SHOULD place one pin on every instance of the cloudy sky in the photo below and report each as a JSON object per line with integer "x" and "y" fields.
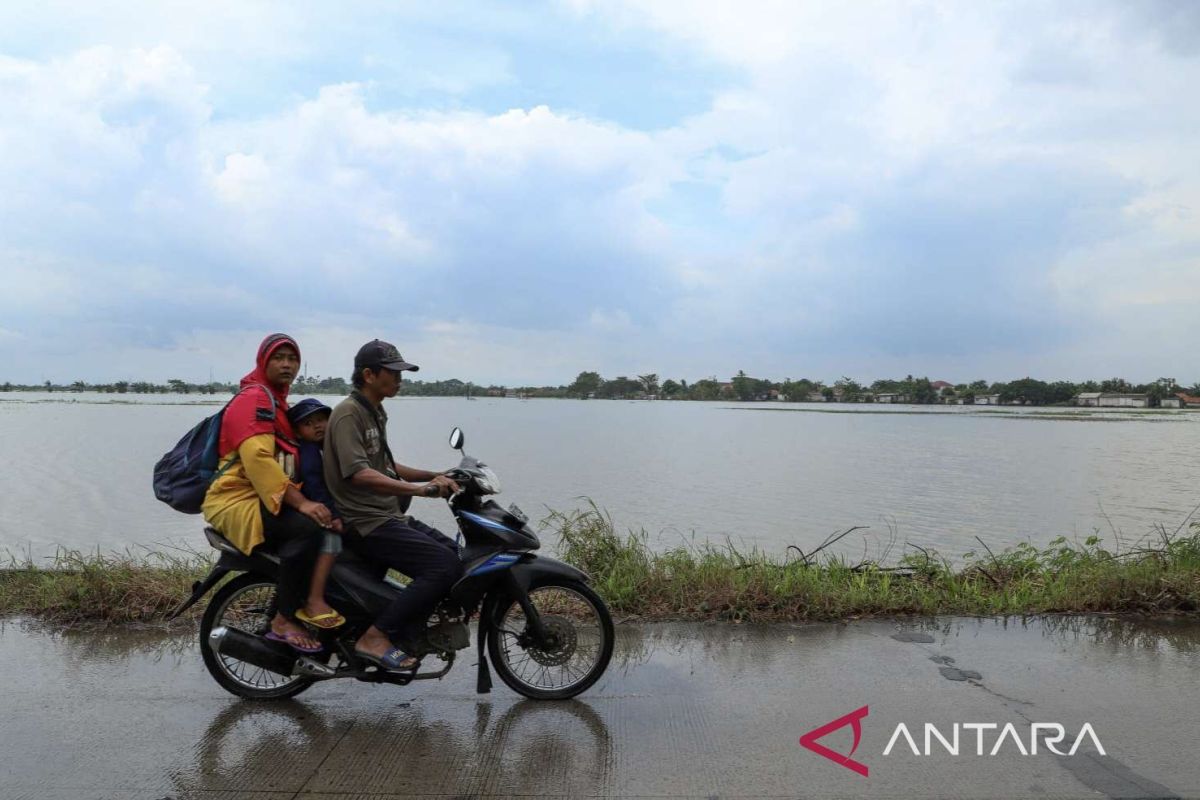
{"x": 517, "y": 192}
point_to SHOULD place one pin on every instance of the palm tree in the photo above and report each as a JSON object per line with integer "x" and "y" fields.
{"x": 649, "y": 382}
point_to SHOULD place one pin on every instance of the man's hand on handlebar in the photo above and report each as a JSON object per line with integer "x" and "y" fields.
{"x": 440, "y": 486}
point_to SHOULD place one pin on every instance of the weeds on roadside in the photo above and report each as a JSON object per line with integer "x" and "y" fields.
{"x": 706, "y": 581}
{"x": 709, "y": 582}
{"x": 80, "y": 587}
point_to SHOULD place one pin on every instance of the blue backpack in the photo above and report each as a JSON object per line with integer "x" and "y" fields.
{"x": 182, "y": 476}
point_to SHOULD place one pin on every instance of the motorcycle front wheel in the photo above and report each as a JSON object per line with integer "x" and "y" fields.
{"x": 577, "y": 648}
{"x": 246, "y": 603}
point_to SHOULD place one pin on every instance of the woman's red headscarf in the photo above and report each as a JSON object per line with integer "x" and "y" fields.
{"x": 249, "y": 414}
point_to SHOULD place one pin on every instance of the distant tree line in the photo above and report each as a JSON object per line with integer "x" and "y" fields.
{"x": 741, "y": 387}
{"x": 301, "y": 386}
{"x": 172, "y": 386}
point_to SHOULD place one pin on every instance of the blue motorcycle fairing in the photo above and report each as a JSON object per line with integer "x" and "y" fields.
{"x": 487, "y": 523}
{"x": 531, "y": 568}
{"x": 498, "y": 561}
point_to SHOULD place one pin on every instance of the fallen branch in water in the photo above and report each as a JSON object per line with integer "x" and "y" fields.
{"x": 807, "y": 558}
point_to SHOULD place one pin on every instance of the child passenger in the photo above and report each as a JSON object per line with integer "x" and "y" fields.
{"x": 308, "y": 418}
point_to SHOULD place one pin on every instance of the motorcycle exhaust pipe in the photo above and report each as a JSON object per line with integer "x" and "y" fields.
{"x": 278, "y": 658}
{"x": 313, "y": 669}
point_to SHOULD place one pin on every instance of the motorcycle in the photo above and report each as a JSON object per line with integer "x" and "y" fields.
{"x": 548, "y": 634}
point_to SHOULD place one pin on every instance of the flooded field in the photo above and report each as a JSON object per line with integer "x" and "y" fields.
{"x": 77, "y": 469}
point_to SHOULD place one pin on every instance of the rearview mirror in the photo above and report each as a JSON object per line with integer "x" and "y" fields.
{"x": 457, "y": 438}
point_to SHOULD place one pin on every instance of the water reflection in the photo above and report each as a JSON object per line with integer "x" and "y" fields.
{"x": 1121, "y": 634}
{"x": 112, "y": 643}
{"x": 529, "y": 748}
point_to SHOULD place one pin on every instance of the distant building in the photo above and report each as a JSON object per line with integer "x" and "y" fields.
{"x": 815, "y": 397}
{"x": 1174, "y": 401}
{"x": 944, "y": 391}
{"x": 1188, "y": 400}
{"x": 1087, "y": 399}
{"x": 987, "y": 399}
{"x": 1115, "y": 400}
{"x": 891, "y": 397}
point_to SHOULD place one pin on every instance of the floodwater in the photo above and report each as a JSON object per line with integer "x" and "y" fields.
{"x": 684, "y": 711}
{"x": 76, "y": 469}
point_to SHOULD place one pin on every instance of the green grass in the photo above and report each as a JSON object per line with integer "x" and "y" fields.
{"x": 703, "y": 582}
{"x": 120, "y": 588}
{"x": 708, "y": 582}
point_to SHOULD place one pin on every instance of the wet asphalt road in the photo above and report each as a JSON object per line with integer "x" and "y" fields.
{"x": 685, "y": 711}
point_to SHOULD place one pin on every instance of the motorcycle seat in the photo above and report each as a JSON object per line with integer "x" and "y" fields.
{"x": 219, "y": 542}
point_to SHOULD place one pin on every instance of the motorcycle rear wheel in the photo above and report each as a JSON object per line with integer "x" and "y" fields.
{"x": 582, "y": 629}
{"x": 246, "y": 603}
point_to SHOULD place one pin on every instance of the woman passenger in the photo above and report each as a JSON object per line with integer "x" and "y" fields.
{"x": 254, "y": 499}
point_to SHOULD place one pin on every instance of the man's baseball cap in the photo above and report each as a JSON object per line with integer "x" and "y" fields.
{"x": 376, "y": 353}
{"x": 305, "y": 409}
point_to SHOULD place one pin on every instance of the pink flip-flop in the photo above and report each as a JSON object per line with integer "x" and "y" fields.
{"x": 291, "y": 640}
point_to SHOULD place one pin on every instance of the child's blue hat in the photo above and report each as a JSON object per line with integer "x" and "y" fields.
{"x": 306, "y": 408}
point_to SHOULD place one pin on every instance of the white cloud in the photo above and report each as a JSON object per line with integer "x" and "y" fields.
{"x": 244, "y": 179}
{"x": 865, "y": 178}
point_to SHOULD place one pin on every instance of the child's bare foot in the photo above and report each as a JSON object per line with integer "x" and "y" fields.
{"x": 320, "y": 614}
{"x": 316, "y": 606}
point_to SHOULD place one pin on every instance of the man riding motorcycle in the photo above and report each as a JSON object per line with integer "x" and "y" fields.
{"x": 373, "y": 490}
{"x": 548, "y": 634}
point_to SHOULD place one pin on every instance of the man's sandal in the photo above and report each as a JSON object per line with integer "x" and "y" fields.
{"x": 393, "y": 660}
{"x": 326, "y": 622}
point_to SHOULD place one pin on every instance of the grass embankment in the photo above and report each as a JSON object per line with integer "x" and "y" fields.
{"x": 78, "y": 587}
{"x": 706, "y": 582}
{"x": 709, "y": 582}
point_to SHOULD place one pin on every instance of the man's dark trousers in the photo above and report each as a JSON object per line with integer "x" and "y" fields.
{"x": 423, "y": 554}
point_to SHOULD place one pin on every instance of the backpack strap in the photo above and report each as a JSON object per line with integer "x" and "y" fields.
{"x": 405, "y": 500}
{"x": 382, "y": 430}
{"x": 274, "y": 410}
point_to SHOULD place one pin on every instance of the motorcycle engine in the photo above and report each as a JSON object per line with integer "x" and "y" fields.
{"x": 448, "y": 636}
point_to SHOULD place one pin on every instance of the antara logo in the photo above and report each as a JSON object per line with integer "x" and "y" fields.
{"x": 1047, "y": 734}
{"x": 1009, "y": 732}
{"x": 854, "y": 720}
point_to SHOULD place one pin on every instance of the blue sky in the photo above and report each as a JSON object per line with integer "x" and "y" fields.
{"x": 517, "y": 192}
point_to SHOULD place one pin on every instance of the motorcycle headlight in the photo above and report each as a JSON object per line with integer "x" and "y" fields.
{"x": 488, "y": 481}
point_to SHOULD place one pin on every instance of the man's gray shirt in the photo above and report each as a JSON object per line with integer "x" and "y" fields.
{"x": 356, "y": 439}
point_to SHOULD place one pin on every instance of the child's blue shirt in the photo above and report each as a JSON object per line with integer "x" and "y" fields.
{"x": 312, "y": 476}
